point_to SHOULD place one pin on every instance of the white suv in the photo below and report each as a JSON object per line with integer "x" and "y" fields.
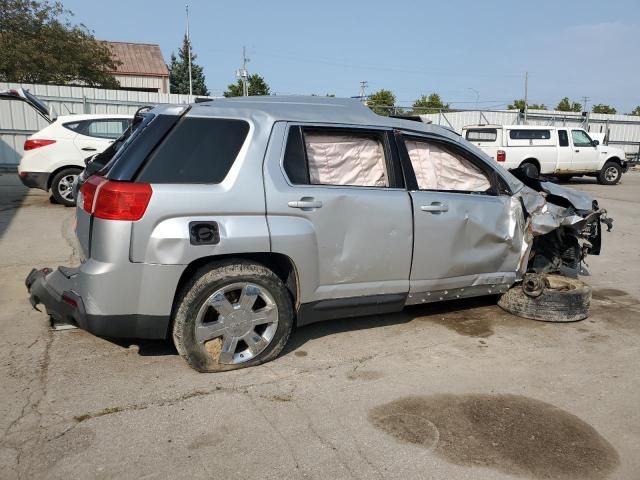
{"x": 54, "y": 156}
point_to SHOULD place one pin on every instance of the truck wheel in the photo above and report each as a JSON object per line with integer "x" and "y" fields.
{"x": 61, "y": 186}
{"x": 562, "y": 299}
{"x": 231, "y": 315}
{"x": 530, "y": 169}
{"x": 610, "y": 174}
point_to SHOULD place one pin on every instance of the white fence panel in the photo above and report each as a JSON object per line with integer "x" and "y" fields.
{"x": 19, "y": 120}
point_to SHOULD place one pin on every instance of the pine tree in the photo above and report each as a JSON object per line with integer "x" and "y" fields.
{"x": 179, "y": 72}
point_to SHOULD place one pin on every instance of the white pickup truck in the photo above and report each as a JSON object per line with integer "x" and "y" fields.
{"x": 560, "y": 151}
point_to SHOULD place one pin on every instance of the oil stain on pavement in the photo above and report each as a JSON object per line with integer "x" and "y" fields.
{"x": 510, "y": 433}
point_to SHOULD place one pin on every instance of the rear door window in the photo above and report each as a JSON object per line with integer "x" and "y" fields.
{"x": 334, "y": 156}
{"x": 197, "y": 150}
{"x": 109, "y": 129}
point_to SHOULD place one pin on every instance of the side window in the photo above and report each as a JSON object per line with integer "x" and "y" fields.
{"x": 581, "y": 139}
{"x": 197, "y": 150}
{"x": 482, "y": 135}
{"x": 332, "y": 156}
{"x": 111, "y": 129}
{"x": 563, "y": 138}
{"x": 438, "y": 167}
{"x": 530, "y": 134}
{"x": 74, "y": 126}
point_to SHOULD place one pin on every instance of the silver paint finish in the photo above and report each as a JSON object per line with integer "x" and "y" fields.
{"x": 238, "y": 322}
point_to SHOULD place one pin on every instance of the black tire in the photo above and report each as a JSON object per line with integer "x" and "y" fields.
{"x": 530, "y": 169}
{"x": 61, "y": 184}
{"x": 205, "y": 357}
{"x": 563, "y": 300}
{"x": 610, "y": 174}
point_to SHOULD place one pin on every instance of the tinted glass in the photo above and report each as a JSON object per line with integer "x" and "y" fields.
{"x": 530, "y": 134}
{"x": 563, "y": 138}
{"x": 482, "y": 135}
{"x": 581, "y": 139}
{"x": 295, "y": 163}
{"x": 75, "y": 126}
{"x": 197, "y": 150}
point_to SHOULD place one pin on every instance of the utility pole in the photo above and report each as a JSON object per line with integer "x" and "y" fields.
{"x": 526, "y": 91}
{"x": 363, "y": 85}
{"x": 584, "y": 103}
{"x": 243, "y": 74}
{"x": 189, "y": 52}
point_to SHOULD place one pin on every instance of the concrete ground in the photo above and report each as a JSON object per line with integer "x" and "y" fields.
{"x": 453, "y": 391}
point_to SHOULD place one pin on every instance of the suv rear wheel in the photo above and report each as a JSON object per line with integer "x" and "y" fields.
{"x": 61, "y": 186}
{"x": 232, "y": 315}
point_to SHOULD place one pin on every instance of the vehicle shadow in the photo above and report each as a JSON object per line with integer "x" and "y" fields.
{"x": 12, "y": 197}
{"x": 302, "y": 335}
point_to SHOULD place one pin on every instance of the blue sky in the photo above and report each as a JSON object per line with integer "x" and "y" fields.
{"x": 456, "y": 48}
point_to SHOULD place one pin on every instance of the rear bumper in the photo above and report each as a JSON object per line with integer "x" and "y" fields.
{"x": 35, "y": 179}
{"x": 55, "y": 290}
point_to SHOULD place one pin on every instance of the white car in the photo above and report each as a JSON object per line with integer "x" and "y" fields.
{"x": 548, "y": 150}
{"x": 54, "y": 156}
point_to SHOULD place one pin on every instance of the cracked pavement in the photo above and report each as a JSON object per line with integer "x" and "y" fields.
{"x": 76, "y": 406}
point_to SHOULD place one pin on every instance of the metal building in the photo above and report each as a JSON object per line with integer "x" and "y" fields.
{"x": 142, "y": 66}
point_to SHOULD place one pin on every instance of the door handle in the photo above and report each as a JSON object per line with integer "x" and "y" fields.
{"x": 577, "y": 151}
{"x": 88, "y": 149}
{"x": 305, "y": 203}
{"x": 435, "y": 207}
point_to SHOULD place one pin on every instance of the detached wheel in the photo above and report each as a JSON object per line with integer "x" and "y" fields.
{"x": 232, "y": 315}
{"x": 530, "y": 169}
{"x": 610, "y": 174}
{"x": 62, "y": 186}
{"x": 563, "y": 299}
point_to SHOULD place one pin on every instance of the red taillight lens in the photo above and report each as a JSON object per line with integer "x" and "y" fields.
{"x": 122, "y": 200}
{"x": 501, "y": 156}
{"x": 37, "y": 143}
{"x": 88, "y": 191}
{"x": 111, "y": 200}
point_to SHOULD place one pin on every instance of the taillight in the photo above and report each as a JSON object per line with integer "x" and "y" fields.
{"x": 112, "y": 200}
{"x": 37, "y": 143}
{"x": 88, "y": 191}
{"x": 501, "y": 156}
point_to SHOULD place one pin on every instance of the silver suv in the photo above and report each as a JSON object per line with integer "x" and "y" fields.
{"x": 223, "y": 224}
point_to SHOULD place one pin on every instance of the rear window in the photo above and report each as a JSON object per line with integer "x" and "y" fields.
{"x": 529, "y": 134}
{"x": 482, "y": 135}
{"x": 197, "y": 150}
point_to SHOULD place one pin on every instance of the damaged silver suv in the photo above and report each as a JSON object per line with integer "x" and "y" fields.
{"x": 223, "y": 224}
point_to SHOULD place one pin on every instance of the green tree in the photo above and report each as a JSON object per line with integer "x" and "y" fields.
{"x": 566, "y": 106}
{"x": 602, "y": 108}
{"x": 179, "y": 72}
{"x": 428, "y": 104}
{"x": 257, "y": 86}
{"x": 636, "y": 111}
{"x": 519, "y": 105}
{"x": 382, "y": 101}
{"x": 39, "y": 44}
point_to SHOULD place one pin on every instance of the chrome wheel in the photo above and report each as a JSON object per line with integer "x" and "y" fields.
{"x": 242, "y": 318}
{"x": 611, "y": 174}
{"x": 65, "y": 186}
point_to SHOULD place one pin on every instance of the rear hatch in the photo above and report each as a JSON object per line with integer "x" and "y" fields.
{"x": 119, "y": 163}
{"x": 22, "y": 95}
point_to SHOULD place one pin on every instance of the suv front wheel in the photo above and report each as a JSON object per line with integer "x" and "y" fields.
{"x": 232, "y": 315}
